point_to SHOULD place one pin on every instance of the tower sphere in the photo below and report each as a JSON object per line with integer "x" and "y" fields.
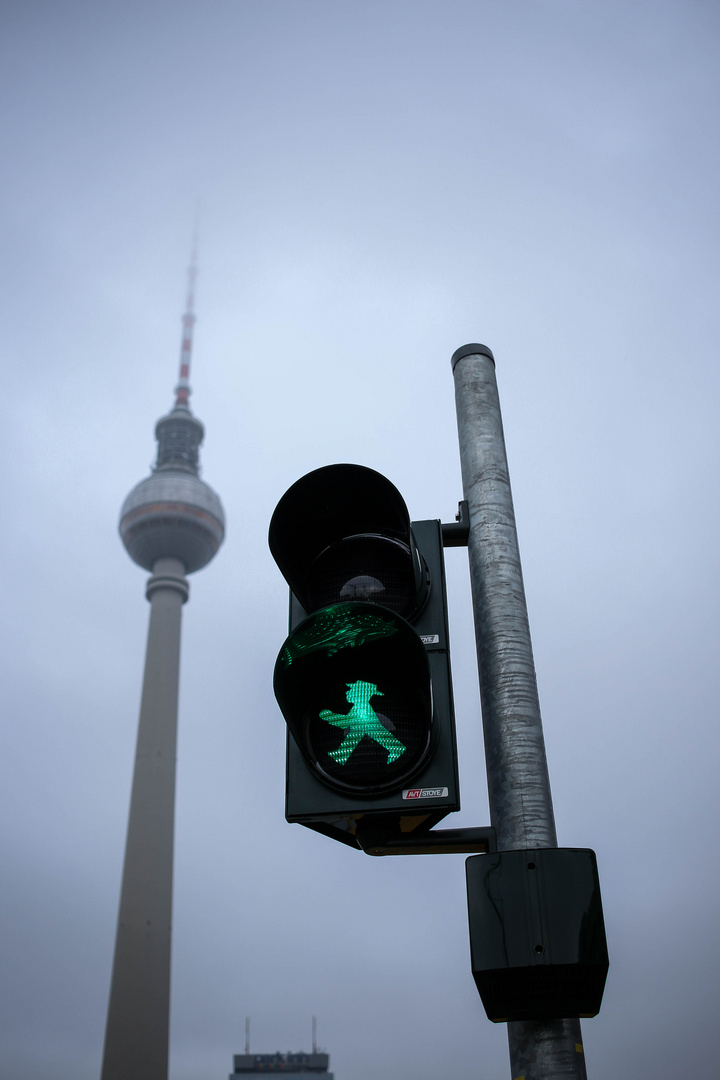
{"x": 173, "y": 513}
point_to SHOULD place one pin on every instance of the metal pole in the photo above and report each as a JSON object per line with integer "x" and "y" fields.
{"x": 136, "y": 1037}
{"x": 518, "y": 782}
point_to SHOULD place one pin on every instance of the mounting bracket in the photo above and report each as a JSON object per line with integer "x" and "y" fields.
{"x": 476, "y": 841}
{"x": 456, "y": 533}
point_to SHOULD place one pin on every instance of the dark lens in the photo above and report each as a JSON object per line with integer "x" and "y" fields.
{"x": 374, "y": 569}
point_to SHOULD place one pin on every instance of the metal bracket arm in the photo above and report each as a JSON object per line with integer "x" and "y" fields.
{"x": 477, "y": 841}
{"x": 456, "y": 533}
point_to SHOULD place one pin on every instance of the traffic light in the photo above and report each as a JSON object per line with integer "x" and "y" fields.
{"x": 363, "y": 680}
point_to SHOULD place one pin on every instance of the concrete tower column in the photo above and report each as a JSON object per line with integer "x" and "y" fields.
{"x": 136, "y": 1038}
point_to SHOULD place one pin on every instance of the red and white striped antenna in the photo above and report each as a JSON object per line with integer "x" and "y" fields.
{"x": 182, "y": 390}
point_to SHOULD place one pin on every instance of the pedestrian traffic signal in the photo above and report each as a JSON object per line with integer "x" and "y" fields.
{"x": 363, "y": 680}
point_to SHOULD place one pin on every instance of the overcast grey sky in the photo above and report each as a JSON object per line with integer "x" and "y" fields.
{"x": 380, "y": 183}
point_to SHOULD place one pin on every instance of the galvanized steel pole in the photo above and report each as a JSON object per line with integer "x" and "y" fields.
{"x": 518, "y": 782}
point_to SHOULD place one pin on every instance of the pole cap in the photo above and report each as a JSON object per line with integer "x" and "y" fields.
{"x": 471, "y": 350}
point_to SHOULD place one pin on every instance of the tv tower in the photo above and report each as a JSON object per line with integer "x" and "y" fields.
{"x": 171, "y": 523}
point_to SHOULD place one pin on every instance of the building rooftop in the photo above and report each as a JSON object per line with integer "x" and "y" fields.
{"x": 290, "y": 1065}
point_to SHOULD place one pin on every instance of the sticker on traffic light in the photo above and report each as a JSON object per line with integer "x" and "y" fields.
{"x": 353, "y": 682}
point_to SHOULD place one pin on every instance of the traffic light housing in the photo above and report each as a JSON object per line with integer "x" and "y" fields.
{"x": 363, "y": 680}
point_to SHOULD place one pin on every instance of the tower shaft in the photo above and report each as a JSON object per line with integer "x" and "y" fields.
{"x": 136, "y": 1039}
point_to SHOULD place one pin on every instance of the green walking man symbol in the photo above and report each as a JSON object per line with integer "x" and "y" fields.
{"x": 360, "y": 721}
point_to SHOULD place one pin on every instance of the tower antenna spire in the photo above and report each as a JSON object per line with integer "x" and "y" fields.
{"x": 182, "y": 390}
